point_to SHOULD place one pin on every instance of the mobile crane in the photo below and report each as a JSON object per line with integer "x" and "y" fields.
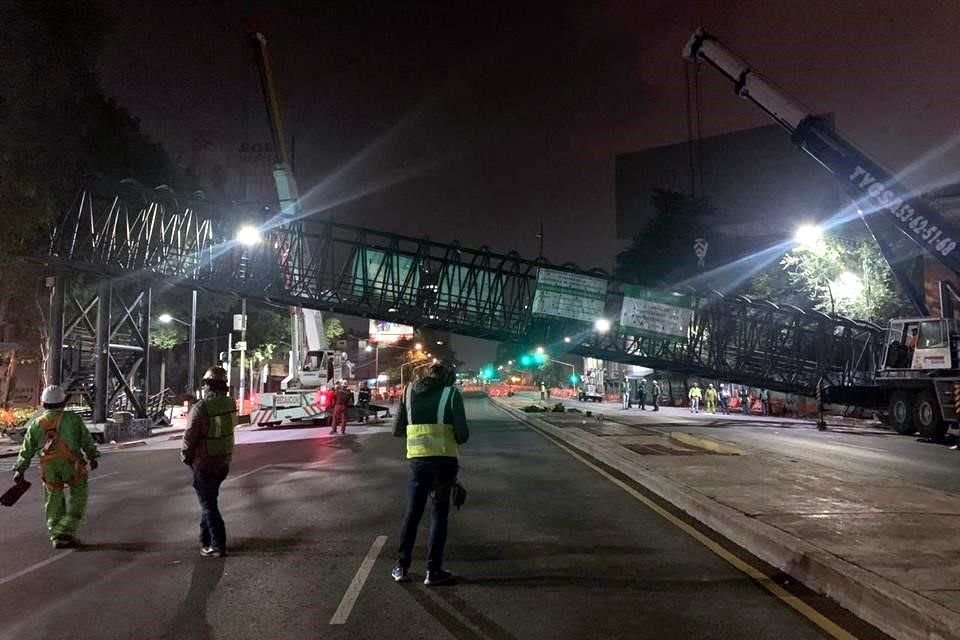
{"x": 313, "y": 366}
{"x": 918, "y": 378}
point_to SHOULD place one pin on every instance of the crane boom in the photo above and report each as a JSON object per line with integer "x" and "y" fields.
{"x": 872, "y": 188}
{"x": 306, "y": 325}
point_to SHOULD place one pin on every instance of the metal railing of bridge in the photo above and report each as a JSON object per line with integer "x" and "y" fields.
{"x": 134, "y": 238}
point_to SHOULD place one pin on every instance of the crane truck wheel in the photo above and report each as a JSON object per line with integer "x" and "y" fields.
{"x": 926, "y": 415}
{"x": 901, "y": 413}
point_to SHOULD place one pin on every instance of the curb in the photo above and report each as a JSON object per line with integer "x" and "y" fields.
{"x": 705, "y": 443}
{"x": 130, "y": 445}
{"x": 897, "y": 611}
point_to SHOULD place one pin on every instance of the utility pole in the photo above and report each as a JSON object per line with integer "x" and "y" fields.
{"x": 243, "y": 350}
{"x": 192, "y": 356}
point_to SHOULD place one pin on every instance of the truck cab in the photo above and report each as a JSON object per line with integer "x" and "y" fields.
{"x": 919, "y": 344}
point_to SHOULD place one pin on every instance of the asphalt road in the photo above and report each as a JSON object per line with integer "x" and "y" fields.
{"x": 547, "y": 547}
{"x": 866, "y": 449}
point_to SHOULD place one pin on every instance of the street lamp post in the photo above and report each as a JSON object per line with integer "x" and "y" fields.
{"x": 191, "y": 326}
{"x": 407, "y": 364}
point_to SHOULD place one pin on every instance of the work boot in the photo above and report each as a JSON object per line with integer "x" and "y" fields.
{"x": 65, "y": 542}
{"x": 211, "y": 552}
{"x": 438, "y": 577}
{"x": 400, "y": 574}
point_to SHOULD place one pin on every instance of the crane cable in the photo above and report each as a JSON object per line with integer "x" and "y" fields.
{"x": 694, "y": 129}
{"x": 690, "y": 149}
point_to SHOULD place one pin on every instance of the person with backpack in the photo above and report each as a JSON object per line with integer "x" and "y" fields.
{"x": 431, "y": 418}
{"x": 207, "y": 449}
{"x": 66, "y": 448}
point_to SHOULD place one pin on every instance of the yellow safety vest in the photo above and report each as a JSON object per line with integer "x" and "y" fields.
{"x": 222, "y": 412}
{"x": 430, "y": 439}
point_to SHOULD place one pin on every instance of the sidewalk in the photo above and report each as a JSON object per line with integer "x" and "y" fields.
{"x": 885, "y": 550}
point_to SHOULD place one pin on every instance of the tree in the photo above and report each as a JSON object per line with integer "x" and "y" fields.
{"x": 58, "y": 126}
{"x": 164, "y": 338}
{"x": 333, "y": 329}
{"x": 663, "y": 252}
{"x": 848, "y": 277}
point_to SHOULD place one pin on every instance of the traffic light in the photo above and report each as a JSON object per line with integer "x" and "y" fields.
{"x": 487, "y": 372}
{"x": 574, "y": 378}
{"x": 526, "y": 360}
{"x": 540, "y": 358}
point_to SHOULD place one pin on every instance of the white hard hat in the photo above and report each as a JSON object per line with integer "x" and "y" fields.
{"x": 53, "y": 395}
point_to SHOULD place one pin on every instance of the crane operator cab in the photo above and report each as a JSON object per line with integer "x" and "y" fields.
{"x": 921, "y": 343}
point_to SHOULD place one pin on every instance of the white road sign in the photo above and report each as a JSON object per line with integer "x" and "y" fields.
{"x": 569, "y": 295}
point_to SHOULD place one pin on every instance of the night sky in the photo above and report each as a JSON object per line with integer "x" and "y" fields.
{"x": 475, "y": 121}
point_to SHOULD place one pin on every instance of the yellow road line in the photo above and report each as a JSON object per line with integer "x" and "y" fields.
{"x": 814, "y": 616}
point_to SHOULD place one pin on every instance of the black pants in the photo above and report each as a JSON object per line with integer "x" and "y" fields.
{"x": 427, "y": 475}
{"x": 207, "y": 483}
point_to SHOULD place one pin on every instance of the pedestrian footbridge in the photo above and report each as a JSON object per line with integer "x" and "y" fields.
{"x": 115, "y": 245}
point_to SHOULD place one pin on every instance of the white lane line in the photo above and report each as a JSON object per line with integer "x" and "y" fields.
{"x": 353, "y": 591}
{"x": 34, "y": 567}
{"x": 102, "y": 475}
{"x": 248, "y": 473}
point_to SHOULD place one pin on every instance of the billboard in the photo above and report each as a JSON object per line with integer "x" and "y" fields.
{"x": 649, "y": 312}
{"x": 385, "y": 332}
{"x": 569, "y": 295}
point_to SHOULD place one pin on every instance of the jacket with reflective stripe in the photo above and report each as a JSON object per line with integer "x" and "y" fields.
{"x": 71, "y": 431}
{"x": 430, "y": 439}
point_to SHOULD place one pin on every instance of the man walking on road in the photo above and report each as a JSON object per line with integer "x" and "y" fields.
{"x": 432, "y": 419}
{"x": 341, "y": 400}
{"x": 655, "y": 395}
{"x": 695, "y": 395}
{"x": 207, "y": 449}
{"x": 711, "y": 398}
{"x": 642, "y": 394}
{"x": 62, "y": 440}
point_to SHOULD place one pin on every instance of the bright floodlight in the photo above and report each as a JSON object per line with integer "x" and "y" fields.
{"x": 248, "y": 235}
{"x": 602, "y": 325}
{"x": 435, "y": 361}
{"x": 848, "y": 286}
{"x": 368, "y": 348}
{"x": 418, "y": 347}
{"x": 566, "y": 339}
{"x": 165, "y": 318}
{"x": 540, "y": 350}
{"x": 510, "y": 362}
{"x": 809, "y": 236}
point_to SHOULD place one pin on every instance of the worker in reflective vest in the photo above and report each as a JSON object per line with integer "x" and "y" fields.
{"x": 62, "y": 439}
{"x": 432, "y": 419}
{"x": 207, "y": 449}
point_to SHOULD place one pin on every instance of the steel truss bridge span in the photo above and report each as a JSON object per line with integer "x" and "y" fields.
{"x": 112, "y": 246}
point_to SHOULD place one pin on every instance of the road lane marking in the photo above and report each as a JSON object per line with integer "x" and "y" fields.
{"x": 801, "y": 607}
{"x": 34, "y": 567}
{"x": 248, "y": 473}
{"x": 353, "y": 591}
{"x": 102, "y": 475}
